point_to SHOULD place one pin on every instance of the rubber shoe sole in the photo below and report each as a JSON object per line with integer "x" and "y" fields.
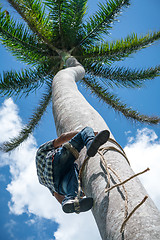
{"x": 77, "y": 206}
{"x": 99, "y": 140}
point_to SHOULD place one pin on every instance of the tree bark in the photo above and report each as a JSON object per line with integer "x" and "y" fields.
{"x": 72, "y": 112}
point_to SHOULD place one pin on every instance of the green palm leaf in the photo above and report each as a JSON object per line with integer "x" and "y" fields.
{"x": 102, "y": 20}
{"x": 113, "y": 101}
{"x": 34, "y": 13}
{"x": 117, "y": 50}
{"x": 66, "y": 17}
{"x": 59, "y": 14}
{"x": 34, "y": 120}
{"x": 75, "y": 23}
{"x": 79, "y": 8}
{"x": 25, "y": 81}
{"x": 17, "y": 38}
{"x": 120, "y": 76}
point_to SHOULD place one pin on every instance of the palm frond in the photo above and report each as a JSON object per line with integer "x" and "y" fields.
{"x": 66, "y": 17}
{"x": 34, "y": 14}
{"x": 25, "y": 81}
{"x": 102, "y": 20}
{"x": 121, "y": 76}
{"x": 58, "y": 14}
{"x": 28, "y": 129}
{"x": 117, "y": 50}
{"x": 113, "y": 101}
{"x": 79, "y": 8}
{"x": 17, "y": 38}
{"x": 75, "y": 23}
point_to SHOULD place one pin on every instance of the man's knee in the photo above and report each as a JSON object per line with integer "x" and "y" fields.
{"x": 87, "y": 129}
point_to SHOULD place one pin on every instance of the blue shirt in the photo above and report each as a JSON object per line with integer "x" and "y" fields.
{"x": 44, "y": 158}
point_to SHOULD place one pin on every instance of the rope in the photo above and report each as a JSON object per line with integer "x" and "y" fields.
{"x": 77, "y": 205}
{"x": 125, "y": 221}
{"x": 72, "y": 149}
{"x": 80, "y": 176}
{"x": 118, "y": 184}
{"x": 122, "y": 152}
{"x": 125, "y": 191}
{"x": 101, "y": 152}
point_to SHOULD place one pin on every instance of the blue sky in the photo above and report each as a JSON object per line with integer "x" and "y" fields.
{"x": 27, "y": 209}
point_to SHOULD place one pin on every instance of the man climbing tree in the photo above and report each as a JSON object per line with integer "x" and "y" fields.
{"x": 56, "y": 167}
{"x": 51, "y": 29}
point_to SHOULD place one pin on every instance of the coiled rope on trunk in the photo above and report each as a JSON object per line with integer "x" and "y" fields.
{"x": 108, "y": 188}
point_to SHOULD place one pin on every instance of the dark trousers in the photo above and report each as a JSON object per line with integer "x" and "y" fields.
{"x": 65, "y": 174}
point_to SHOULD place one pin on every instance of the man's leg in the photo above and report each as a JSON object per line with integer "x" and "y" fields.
{"x": 86, "y": 137}
{"x": 64, "y": 159}
{"x": 71, "y": 203}
{"x": 66, "y": 183}
{"x": 69, "y": 184}
{"x": 62, "y": 165}
{"x": 65, "y": 179}
{"x": 82, "y": 138}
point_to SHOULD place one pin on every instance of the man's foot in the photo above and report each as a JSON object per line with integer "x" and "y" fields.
{"x": 77, "y": 205}
{"x": 99, "y": 140}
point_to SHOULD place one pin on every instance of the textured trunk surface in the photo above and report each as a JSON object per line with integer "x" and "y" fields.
{"x": 72, "y": 112}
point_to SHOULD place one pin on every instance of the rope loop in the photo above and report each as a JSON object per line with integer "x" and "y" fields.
{"x": 77, "y": 205}
{"x": 72, "y": 149}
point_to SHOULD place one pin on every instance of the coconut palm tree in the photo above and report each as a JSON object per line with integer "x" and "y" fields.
{"x": 53, "y": 38}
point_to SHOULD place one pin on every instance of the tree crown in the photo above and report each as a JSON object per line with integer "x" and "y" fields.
{"x": 52, "y": 30}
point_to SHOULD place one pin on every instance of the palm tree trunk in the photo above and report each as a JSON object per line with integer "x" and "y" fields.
{"x": 72, "y": 112}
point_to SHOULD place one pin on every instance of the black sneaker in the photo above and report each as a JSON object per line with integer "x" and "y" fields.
{"x": 77, "y": 205}
{"x": 99, "y": 140}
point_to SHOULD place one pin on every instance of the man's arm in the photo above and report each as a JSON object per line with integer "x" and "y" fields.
{"x": 65, "y": 137}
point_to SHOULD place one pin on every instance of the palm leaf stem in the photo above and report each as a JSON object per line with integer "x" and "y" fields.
{"x": 60, "y": 23}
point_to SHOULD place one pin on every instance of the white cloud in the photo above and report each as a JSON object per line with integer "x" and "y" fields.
{"x": 27, "y": 195}
{"x": 9, "y": 119}
{"x": 143, "y": 152}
